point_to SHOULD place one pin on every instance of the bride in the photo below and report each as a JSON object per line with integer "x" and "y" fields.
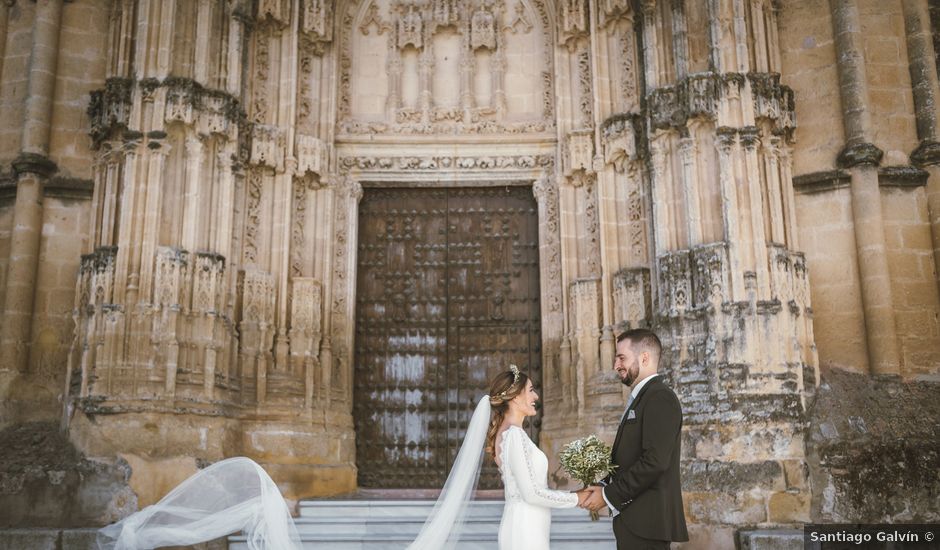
{"x": 527, "y": 516}
{"x": 238, "y": 495}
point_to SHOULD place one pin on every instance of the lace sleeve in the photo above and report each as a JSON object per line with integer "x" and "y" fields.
{"x": 533, "y": 490}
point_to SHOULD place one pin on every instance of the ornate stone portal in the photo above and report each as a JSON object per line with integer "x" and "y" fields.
{"x": 223, "y": 274}
{"x": 231, "y": 141}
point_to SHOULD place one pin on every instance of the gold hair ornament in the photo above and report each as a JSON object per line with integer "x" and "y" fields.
{"x": 515, "y": 380}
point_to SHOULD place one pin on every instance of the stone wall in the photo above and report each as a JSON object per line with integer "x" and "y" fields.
{"x": 41, "y": 238}
{"x": 45, "y": 482}
{"x": 867, "y": 207}
{"x": 874, "y": 451}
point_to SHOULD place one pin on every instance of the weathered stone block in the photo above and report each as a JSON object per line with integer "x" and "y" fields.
{"x": 767, "y": 539}
{"x": 731, "y": 477}
{"x": 29, "y": 539}
{"x": 44, "y": 481}
{"x": 872, "y": 456}
{"x": 151, "y": 479}
{"x": 788, "y": 507}
{"x": 79, "y": 539}
{"x": 796, "y": 473}
{"x": 724, "y": 508}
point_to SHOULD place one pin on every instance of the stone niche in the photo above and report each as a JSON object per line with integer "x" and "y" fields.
{"x": 445, "y": 67}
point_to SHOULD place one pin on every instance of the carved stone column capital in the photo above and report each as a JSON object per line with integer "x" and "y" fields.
{"x": 348, "y": 186}
{"x": 926, "y": 154}
{"x": 854, "y": 154}
{"x": 541, "y": 187}
{"x": 725, "y": 138}
{"x": 34, "y": 163}
{"x": 750, "y": 136}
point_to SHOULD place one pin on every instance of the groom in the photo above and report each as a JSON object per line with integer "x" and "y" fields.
{"x": 644, "y": 493}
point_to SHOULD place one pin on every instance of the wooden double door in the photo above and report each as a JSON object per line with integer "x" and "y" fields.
{"x": 447, "y": 296}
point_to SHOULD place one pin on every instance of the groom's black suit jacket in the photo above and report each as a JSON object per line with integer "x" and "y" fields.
{"x": 645, "y": 487}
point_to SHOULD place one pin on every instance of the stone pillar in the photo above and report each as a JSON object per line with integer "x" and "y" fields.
{"x": 728, "y": 283}
{"x": 32, "y": 170}
{"x": 4, "y": 19}
{"x": 861, "y": 158}
{"x": 921, "y": 56}
{"x": 42, "y": 74}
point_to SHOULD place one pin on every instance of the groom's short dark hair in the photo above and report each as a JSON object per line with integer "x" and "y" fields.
{"x": 643, "y": 339}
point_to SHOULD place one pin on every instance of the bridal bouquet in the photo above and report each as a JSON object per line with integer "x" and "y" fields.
{"x": 586, "y": 460}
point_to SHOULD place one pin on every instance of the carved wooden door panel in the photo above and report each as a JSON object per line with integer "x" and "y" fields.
{"x": 447, "y": 296}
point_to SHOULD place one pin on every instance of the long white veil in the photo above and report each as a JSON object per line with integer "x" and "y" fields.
{"x": 236, "y": 494}
{"x": 442, "y": 529}
{"x": 232, "y": 495}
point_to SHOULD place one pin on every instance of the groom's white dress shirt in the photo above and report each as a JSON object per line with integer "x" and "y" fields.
{"x": 636, "y": 391}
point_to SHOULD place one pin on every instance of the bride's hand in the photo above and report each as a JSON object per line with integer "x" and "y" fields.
{"x": 583, "y": 495}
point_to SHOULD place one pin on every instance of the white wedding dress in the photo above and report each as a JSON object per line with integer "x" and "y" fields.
{"x": 527, "y": 516}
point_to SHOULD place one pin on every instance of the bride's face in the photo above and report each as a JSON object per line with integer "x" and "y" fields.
{"x": 525, "y": 401}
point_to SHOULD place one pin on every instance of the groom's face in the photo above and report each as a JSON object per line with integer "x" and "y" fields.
{"x": 626, "y": 363}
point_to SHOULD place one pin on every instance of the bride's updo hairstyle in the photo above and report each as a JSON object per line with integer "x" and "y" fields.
{"x": 503, "y": 388}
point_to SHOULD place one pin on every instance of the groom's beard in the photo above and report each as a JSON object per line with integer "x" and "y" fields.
{"x": 633, "y": 371}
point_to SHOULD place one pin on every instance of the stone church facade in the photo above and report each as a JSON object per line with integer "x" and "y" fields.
{"x": 307, "y": 232}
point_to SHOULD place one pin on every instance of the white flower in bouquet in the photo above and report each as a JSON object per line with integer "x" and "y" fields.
{"x": 587, "y": 459}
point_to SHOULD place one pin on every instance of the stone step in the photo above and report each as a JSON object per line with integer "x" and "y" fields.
{"x": 385, "y": 544}
{"x": 411, "y": 528}
{"x": 374, "y": 509}
{"x": 394, "y": 524}
{"x": 389, "y": 508}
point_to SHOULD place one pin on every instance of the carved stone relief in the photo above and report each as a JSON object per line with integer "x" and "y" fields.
{"x": 627, "y": 63}
{"x": 637, "y": 218}
{"x": 585, "y": 313}
{"x": 485, "y": 162}
{"x": 575, "y": 24}
{"x": 585, "y": 89}
{"x": 171, "y": 269}
{"x": 208, "y": 271}
{"x": 268, "y": 146}
{"x": 298, "y": 219}
{"x": 633, "y": 307}
{"x": 545, "y": 190}
{"x": 305, "y": 99}
{"x": 592, "y": 242}
{"x": 579, "y": 152}
{"x": 277, "y": 10}
{"x": 619, "y": 141}
{"x": 480, "y": 71}
{"x": 519, "y": 23}
{"x": 260, "y": 103}
{"x": 311, "y": 155}
{"x": 612, "y": 11}
{"x": 252, "y": 215}
{"x": 316, "y": 20}
{"x": 257, "y": 324}
{"x": 305, "y": 324}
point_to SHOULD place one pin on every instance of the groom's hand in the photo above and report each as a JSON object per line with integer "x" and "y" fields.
{"x": 595, "y": 499}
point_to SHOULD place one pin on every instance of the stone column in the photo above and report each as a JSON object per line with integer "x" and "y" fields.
{"x": 920, "y": 54}
{"x": 4, "y": 19}
{"x": 861, "y": 158}
{"x": 32, "y": 169}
